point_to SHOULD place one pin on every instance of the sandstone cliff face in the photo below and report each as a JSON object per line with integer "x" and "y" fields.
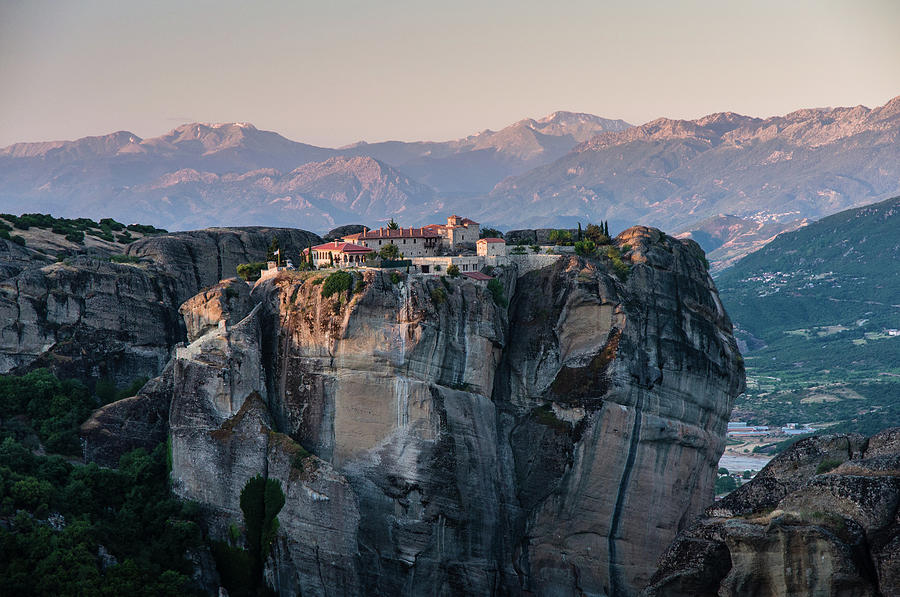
{"x": 88, "y": 318}
{"x": 459, "y": 445}
{"x": 820, "y": 519}
{"x": 201, "y": 258}
{"x": 83, "y": 314}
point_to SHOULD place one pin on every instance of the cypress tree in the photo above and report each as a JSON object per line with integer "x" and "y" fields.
{"x": 579, "y": 230}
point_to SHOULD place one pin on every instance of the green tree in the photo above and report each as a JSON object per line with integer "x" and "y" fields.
{"x": 390, "y": 252}
{"x": 453, "y": 270}
{"x": 561, "y": 237}
{"x": 490, "y": 233}
{"x": 261, "y": 501}
{"x": 337, "y": 282}
{"x": 270, "y": 252}
{"x": 595, "y": 233}
{"x": 250, "y": 271}
{"x": 725, "y": 484}
{"x": 497, "y": 293}
{"x": 585, "y": 248}
{"x": 392, "y": 225}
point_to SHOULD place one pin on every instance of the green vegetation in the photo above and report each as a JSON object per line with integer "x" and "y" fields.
{"x": 40, "y": 406}
{"x": 392, "y": 225}
{"x": 497, "y": 293}
{"x": 145, "y": 229}
{"x": 390, "y": 252}
{"x": 814, "y": 307}
{"x": 518, "y": 250}
{"x": 56, "y": 517}
{"x": 124, "y": 258}
{"x": 453, "y": 271}
{"x": 107, "y": 391}
{"x": 545, "y": 416}
{"x": 725, "y": 484}
{"x": 273, "y": 247}
{"x": 299, "y": 457}
{"x": 620, "y": 267}
{"x": 75, "y": 229}
{"x": 241, "y": 568}
{"x": 561, "y": 237}
{"x": 438, "y": 295}
{"x": 447, "y": 286}
{"x": 250, "y": 271}
{"x": 338, "y": 282}
{"x": 396, "y": 278}
{"x": 490, "y": 233}
{"x": 585, "y": 248}
{"x": 599, "y": 235}
{"x": 827, "y": 465}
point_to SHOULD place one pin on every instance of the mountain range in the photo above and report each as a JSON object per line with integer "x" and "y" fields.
{"x": 673, "y": 173}
{"x": 737, "y": 179}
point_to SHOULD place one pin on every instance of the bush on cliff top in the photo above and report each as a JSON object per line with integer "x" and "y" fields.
{"x": 250, "y": 271}
{"x": 337, "y": 282}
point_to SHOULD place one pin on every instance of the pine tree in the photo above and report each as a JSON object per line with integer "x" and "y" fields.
{"x": 392, "y": 225}
{"x": 273, "y": 246}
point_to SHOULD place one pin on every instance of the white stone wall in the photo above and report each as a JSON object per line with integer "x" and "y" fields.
{"x": 410, "y": 247}
{"x": 491, "y": 249}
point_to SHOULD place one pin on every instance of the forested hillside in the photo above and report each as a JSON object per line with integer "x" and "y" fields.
{"x": 818, "y": 311}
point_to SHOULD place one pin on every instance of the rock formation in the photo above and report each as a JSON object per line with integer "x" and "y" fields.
{"x": 432, "y": 438}
{"x": 88, "y": 317}
{"x": 821, "y": 519}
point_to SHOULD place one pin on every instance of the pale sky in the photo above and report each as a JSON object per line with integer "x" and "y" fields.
{"x": 337, "y": 71}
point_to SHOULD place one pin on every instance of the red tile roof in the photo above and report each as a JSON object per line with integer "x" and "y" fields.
{"x": 467, "y": 222}
{"x": 478, "y": 276}
{"x": 424, "y": 232}
{"x": 491, "y": 240}
{"x": 341, "y": 248}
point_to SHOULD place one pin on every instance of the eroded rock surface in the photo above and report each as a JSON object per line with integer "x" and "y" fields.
{"x": 88, "y": 317}
{"x": 820, "y": 519}
{"x": 459, "y": 444}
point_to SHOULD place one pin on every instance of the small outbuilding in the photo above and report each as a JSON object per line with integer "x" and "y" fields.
{"x": 491, "y": 247}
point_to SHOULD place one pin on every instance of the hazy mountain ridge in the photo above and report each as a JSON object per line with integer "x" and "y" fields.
{"x": 318, "y": 193}
{"x": 193, "y": 175}
{"x": 556, "y": 171}
{"x": 672, "y": 173}
{"x": 726, "y": 238}
{"x": 490, "y": 156}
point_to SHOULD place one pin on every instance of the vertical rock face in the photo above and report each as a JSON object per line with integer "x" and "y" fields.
{"x": 548, "y": 441}
{"x": 89, "y": 318}
{"x": 85, "y": 315}
{"x": 820, "y": 519}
